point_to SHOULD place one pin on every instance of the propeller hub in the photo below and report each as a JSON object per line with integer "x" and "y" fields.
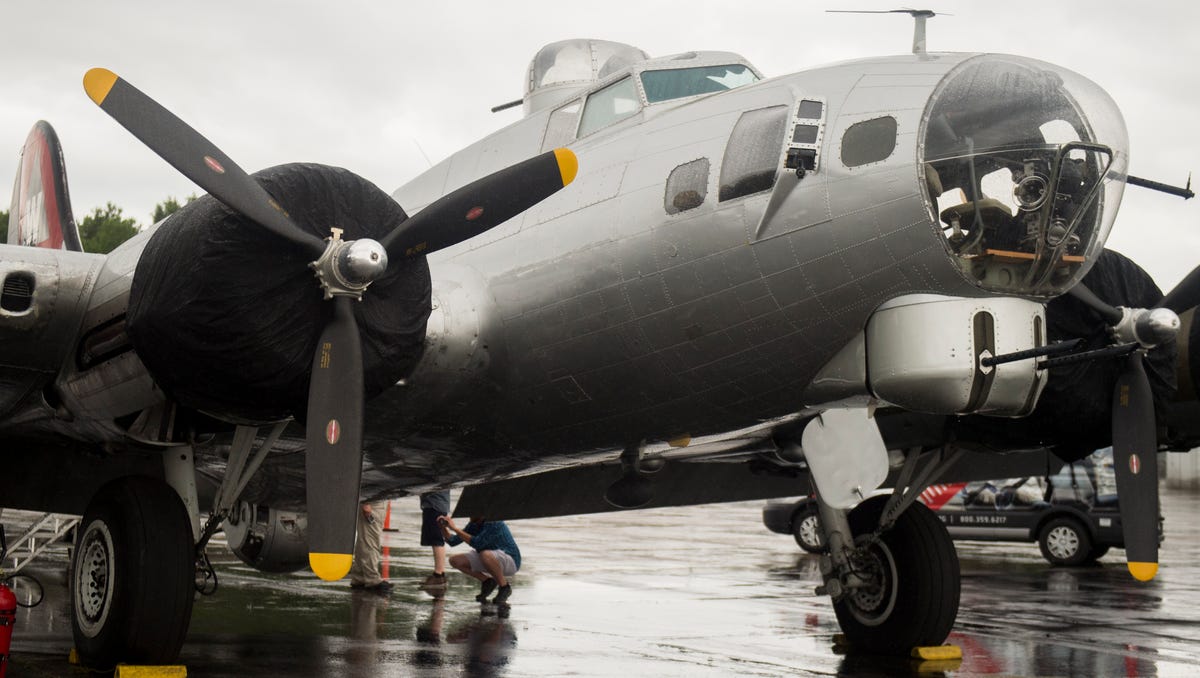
{"x": 361, "y": 261}
{"x": 347, "y": 267}
{"x": 1158, "y": 325}
{"x": 1148, "y": 327}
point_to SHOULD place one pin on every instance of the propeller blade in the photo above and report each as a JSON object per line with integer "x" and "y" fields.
{"x": 482, "y": 204}
{"x": 1185, "y": 295}
{"x": 1135, "y": 461}
{"x": 193, "y": 155}
{"x": 334, "y": 442}
{"x": 1107, "y": 311}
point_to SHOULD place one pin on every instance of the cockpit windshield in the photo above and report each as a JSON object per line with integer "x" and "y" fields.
{"x": 676, "y": 83}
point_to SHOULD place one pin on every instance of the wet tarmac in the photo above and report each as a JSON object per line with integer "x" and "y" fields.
{"x": 700, "y": 591}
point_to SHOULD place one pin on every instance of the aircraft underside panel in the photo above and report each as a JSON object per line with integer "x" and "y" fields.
{"x": 581, "y": 490}
{"x": 61, "y": 478}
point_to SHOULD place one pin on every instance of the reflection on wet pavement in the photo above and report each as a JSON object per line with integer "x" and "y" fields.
{"x": 669, "y": 592}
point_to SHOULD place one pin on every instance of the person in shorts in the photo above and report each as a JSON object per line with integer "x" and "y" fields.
{"x": 494, "y": 556}
{"x": 434, "y": 505}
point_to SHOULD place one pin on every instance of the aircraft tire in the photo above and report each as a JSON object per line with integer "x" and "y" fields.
{"x": 914, "y": 599}
{"x": 806, "y": 529}
{"x": 1065, "y": 541}
{"x": 133, "y": 575}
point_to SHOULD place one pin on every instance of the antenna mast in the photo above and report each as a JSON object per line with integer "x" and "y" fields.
{"x": 919, "y": 16}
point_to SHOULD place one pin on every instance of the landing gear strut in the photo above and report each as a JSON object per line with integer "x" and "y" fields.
{"x": 132, "y": 579}
{"x": 891, "y": 568}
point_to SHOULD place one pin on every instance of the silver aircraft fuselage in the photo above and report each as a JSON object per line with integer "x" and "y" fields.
{"x": 597, "y": 320}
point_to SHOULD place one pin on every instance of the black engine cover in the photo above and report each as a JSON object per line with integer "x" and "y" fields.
{"x": 226, "y": 316}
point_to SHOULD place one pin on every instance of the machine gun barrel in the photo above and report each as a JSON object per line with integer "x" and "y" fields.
{"x": 1184, "y": 193}
{"x": 1049, "y": 349}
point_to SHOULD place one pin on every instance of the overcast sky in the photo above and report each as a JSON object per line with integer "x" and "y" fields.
{"x": 377, "y": 86}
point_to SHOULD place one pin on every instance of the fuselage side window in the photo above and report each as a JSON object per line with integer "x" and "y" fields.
{"x": 560, "y": 130}
{"x": 869, "y": 141}
{"x": 687, "y": 187}
{"x": 609, "y": 105}
{"x": 752, "y": 155}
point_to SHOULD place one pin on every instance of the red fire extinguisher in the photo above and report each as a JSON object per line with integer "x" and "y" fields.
{"x": 8, "y": 617}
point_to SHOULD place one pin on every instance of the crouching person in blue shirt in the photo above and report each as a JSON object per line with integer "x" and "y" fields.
{"x": 494, "y": 558}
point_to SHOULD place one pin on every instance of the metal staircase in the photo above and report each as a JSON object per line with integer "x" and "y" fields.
{"x": 46, "y": 530}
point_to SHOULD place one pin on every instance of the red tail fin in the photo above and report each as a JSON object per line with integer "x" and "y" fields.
{"x": 41, "y": 209}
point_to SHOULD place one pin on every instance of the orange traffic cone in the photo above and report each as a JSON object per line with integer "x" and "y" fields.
{"x": 387, "y": 519}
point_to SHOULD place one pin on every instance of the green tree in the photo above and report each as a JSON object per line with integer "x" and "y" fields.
{"x": 168, "y": 207}
{"x": 105, "y": 228}
{"x": 3, "y": 226}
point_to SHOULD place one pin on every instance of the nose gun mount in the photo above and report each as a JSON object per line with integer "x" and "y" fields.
{"x": 1023, "y": 166}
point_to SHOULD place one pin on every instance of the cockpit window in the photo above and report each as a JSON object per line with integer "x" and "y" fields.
{"x": 605, "y": 107}
{"x": 560, "y": 129}
{"x": 677, "y": 83}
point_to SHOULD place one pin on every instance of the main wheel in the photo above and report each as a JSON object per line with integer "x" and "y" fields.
{"x": 133, "y": 575}
{"x": 806, "y": 528}
{"x": 912, "y": 582}
{"x": 1065, "y": 541}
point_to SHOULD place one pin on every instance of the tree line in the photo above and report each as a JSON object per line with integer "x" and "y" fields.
{"x": 106, "y": 227}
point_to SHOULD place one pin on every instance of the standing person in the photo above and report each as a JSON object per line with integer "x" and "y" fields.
{"x": 434, "y": 505}
{"x": 364, "y": 573}
{"x": 494, "y": 556}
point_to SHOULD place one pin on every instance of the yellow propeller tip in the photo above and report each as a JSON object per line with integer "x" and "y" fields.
{"x": 97, "y": 82}
{"x": 330, "y": 566}
{"x": 568, "y": 164}
{"x": 1143, "y": 571}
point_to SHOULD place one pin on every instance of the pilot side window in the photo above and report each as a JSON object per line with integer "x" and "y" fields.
{"x": 605, "y": 107}
{"x": 752, "y": 155}
{"x": 560, "y": 130}
{"x": 687, "y": 187}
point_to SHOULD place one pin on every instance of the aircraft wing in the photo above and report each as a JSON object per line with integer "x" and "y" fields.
{"x": 582, "y": 489}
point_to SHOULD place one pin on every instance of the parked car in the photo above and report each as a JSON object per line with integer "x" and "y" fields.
{"x": 1074, "y": 515}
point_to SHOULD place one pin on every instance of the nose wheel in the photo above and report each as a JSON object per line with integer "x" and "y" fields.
{"x": 901, "y": 589}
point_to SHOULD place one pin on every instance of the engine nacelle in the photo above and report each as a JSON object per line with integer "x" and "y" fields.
{"x": 226, "y": 315}
{"x": 268, "y": 539}
{"x": 924, "y": 353}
